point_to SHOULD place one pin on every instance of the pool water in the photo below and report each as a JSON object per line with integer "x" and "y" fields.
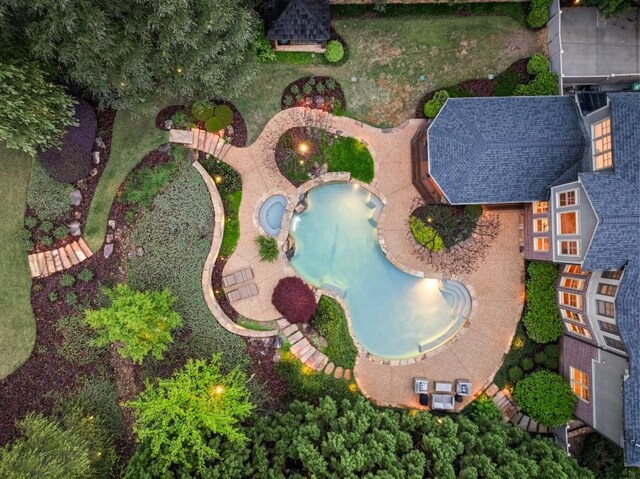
{"x": 271, "y": 213}
{"x": 394, "y": 315}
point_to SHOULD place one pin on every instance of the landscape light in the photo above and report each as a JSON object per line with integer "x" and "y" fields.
{"x": 179, "y": 69}
{"x": 219, "y": 389}
{"x": 439, "y": 421}
{"x": 303, "y": 147}
{"x": 429, "y": 220}
{"x": 301, "y": 162}
{"x": 217, "y": 179}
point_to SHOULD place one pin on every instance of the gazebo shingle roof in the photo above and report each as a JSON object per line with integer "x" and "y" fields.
{"x": 302, "y": 20}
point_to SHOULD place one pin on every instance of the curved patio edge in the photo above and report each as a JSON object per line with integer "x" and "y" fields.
{"x": 207, "y": 289}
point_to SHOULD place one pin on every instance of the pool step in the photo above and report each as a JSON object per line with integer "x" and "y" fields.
{"x": 334, "y": 289}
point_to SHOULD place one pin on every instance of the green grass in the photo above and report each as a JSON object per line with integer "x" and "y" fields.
{"x": 17, "y": 325}
{"x": 134, "y": 135}
{"x": 257, "y": 325}
{"x": 300, "y": 58}
{"x": 231, "y": 223}
{"x": 331, "y": 322}
{"x": 388, "y": 55}
{"x": 348, "y": 154}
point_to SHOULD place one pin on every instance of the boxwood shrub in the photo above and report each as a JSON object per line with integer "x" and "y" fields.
{"x": 202, "y": 110}
{"x": 539, "y": 13}
{"x": 541, "y": 317}
{"x": 433, "y": 106}
{"x": 334, "y": 51}
{"x": 225, "y": 114}
{"x": 213, "y": 125}
{"x": 545, "y": 83}
{"x": 546, "y": 397}
{"x": 537, "y": 64}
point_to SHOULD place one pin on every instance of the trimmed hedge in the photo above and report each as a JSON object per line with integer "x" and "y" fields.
{"x": 294, "y": 300}
{"x": 541, "y": 318}
{"x": 225, "y": 114}
{"x": 537, "y": 64}
{"x": 334, "y": 51}
{"x": 546, "y": 83}
{"x": 539, "y": 13}
{"x": 330, "y": 321}
{"x": 433, "y": 106}
{"x": 546, "y": 397}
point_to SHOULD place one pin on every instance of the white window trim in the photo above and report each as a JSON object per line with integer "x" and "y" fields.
{"x": 565, "y": 315}
{"x": 587, "y": 333}
{"x": 559, "y": 246}
{"x": 579, "y": 303}
{"x": 558, "y": 193}
{"x": 535, "y": 222}
{"x": 559, "y": 223}
{"x": 581, "y": 283}
{"x": 535, "y": 244}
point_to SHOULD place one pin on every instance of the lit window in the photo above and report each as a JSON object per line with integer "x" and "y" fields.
{"x": 601, "y": 144}
{"x": 568, "y": 223}
{"x": 608, "y": 327}
{"x": 579, "y": 330}
{"x": 579, "y": 383}
{"x": 540, "y": 207}
{"x": 572, "y": 315}
{"x": 572, "y": 283}
{"x": 541, "y": 225}
{"x": 614, "y": 343}
{"x": 568, "y": 198}
{"x": 607, "y": 289}
{"x": 570, "y": 299}
{"x": 569, "y": 248}
{"x": 613, "y": 274}
{"x": 541, "y": 244}
{"x": 606, "y": 308}
{"x": 574, "y": 269}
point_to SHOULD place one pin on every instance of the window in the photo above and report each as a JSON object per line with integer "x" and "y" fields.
{"x": 570, "y": 299}
{"x": 579, "y": 330}
{"x": 541, "y": 225}
{"x": 601, "y": 144}
{"x": 608, "y": 327}
{"x": 569, "y": 248}
{"x": 607, "y": 289}
{"x": 606, "y": 308}
{"x": 572, "y": 315}
{"x": 613, "y": 274}
{"x": 540, "y": 207}
{"x": 568, "y": 223}
{"x": 574, "y": 269}
{"x": 541, "y": 244}
{"x": 568, "y": 198}
{"x": 614, "y": 343}
{"x": 579, "y": 383}
{"x": 572, "y": 283}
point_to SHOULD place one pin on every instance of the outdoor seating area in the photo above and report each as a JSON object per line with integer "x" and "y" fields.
{"x": 237, "y": 285}
{"x": 445, "y": 394}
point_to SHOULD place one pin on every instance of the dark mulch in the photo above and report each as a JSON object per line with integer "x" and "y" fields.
{"x": 216, "y": 282}
{"x": 238, "y": 124}
{"x": 321, "y": 101}
{"x": 478, "y": 87}
{"x": 264, "y": 368}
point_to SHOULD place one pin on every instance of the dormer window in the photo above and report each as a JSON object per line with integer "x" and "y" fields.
{"x": 601, "y": 144}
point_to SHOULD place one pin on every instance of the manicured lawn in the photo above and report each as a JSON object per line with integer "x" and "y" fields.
{"x": 387, "y": 56}
{"x": 17, "y": 326}
{"x": 134, "y": 135}
{"x": 348, "y": 154}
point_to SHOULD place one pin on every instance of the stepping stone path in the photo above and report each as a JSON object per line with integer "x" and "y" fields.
{"x": 307, "y": 353}
{"x": 55, "y": 260}
{"x": 201, "y": 140}
{"x": 510, "y": 413}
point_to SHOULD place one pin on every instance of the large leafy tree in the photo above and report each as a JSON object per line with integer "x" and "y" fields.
{"x": 34, "y": 112}
{"x": 123, "y": 52}
{"x": 183, "y": 419}
{"x": 138, "y": 322}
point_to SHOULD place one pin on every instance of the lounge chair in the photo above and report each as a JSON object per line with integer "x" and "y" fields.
{"x": 237, "y": 277}
{"x": 420, "y": 385}
{"x": 463, "y": 387}
{"x": 243, "y": 292}
{"x": 442, "y": 402}
{"x": 443, "y": 387}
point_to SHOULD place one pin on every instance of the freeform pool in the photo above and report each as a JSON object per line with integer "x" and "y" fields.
{"x": 394, "y": 315}
{"x": 270, "y": 214}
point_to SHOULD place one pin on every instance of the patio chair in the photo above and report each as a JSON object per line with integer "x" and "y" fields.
{"x": 237, "y": 277}
{"x": 443, "y": 387}
{"x": 442, "y": 402}
{"x": 243, "y": 292}
{"x": 463, "y": 387}
{"x": 420, "y": 385}
{"x": 423, "y": 400}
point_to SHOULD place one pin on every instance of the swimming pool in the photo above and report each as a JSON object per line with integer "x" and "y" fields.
{"x": 394, "y": 315}
{"x": 270, "y": 214}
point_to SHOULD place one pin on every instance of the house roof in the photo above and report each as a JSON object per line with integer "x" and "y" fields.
{"x": 504, "y": 150}
{"x": 298, "y": 20}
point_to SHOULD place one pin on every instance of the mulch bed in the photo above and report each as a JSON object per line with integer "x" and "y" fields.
{"x": 479, "y": 87}
{"x": 314, "y": 99}
{"x": 238, "y": 124}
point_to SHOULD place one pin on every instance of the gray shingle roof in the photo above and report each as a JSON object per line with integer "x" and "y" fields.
{"x": 302, "y": 20}
{"x": 504, "y": 150}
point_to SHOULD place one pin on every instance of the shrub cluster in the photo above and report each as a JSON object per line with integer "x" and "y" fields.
{"x": 537, "y": 64}
{"x": 48, "y": 197}
{"x": 539, "y": 13}
{"x": 433, "y": 106}
{"x": 215, "y": 118}
{"x": 294, "y": 300}
{"x": 334, "y": 51}
{"x": 330, "y": 321}
{"x": 546, "y": 397}
{"x": 541, "y": 317}
{"x": 545, "y": 83}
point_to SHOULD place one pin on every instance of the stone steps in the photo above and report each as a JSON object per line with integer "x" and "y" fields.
{"x": 510, "y": 413}
{"x": 59, "y": 259}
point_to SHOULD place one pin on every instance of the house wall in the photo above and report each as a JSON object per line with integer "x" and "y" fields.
{"x": 596, "y": 320}
{"x": 579, "y": 355}
{"x": 529, "y": 235}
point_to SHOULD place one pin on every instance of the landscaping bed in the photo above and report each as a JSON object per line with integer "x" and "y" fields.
{"x": 438, "y": 227}
{"x": 304, "y": 153}
{"x": 321, "y": 92}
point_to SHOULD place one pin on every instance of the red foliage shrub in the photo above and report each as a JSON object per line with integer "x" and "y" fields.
{"x": 294, "y": 300}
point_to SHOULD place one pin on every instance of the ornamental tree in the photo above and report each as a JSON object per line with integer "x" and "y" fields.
{"x": 183, "y": 419}
{"x": 140, "y": 323}
{"x": 34, "y": 112}
{"x": 294, "y": 300}
{"x": 124, "y": 52}
{"x": 546, "y": 397}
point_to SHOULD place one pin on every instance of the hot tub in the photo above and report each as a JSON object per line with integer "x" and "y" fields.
{"x": 271, "y": 212}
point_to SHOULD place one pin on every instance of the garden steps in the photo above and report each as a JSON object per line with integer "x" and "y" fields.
{"x": 289, "y": 330}
{"x": 208, "y": 139}
{"x": 306, "y": 354}
{"x": 338, "y": 372}
{"x": 510, "y": 413}
{"x": 295, "y": 337}
{"x": 329, "y": 368}
{"x": 59, "y": 259}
